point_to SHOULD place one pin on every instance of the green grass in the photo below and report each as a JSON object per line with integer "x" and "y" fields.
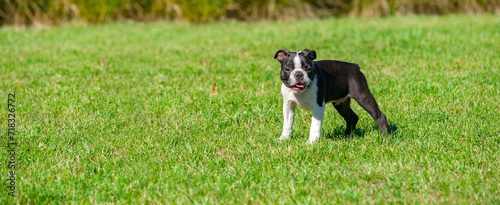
{"x": 126, "y": 113}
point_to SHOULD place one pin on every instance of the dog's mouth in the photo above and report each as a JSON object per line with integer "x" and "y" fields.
{"x": 298, "y": 87}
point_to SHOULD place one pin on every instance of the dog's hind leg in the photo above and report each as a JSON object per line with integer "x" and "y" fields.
{"x": 367, "y": 101}
{"x": 343, "y": 106}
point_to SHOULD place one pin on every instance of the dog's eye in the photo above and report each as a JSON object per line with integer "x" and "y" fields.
{"x": 287, "y": 69}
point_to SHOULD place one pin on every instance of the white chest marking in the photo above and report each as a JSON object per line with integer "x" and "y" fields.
{"x": 306, "y": 100}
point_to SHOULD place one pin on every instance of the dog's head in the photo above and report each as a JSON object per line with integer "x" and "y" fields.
{"x": 297, "y": 69}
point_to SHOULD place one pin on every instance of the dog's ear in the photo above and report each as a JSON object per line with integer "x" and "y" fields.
{"x": 281, "y": 54}
{"x": 311, "y": 54}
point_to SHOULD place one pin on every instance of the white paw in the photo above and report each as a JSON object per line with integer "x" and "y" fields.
{"x": 312, "y": 140}
{"x": 283, "y": 138}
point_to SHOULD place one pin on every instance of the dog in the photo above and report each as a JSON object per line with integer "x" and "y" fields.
{"x": 310, "y": 85}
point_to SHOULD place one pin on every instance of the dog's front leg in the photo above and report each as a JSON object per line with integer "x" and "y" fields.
{"x": 316, "y": 122}
{"x": 288, "y": 114}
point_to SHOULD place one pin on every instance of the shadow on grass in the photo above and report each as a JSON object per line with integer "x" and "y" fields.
{"x": 338, "y": 133}
{"x": 393, "y": 128}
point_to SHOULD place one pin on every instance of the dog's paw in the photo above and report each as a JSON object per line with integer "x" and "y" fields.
{"x": 283, "y": 138}
{"x": 310, "y": 142}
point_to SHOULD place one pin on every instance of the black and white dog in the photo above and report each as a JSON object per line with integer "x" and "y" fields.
{"x": 311, "y": 85}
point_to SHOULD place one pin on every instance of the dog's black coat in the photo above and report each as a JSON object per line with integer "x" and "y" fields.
{"x": 339, "y": 80}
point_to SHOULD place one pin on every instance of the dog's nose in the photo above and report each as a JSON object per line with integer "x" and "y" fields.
{"x": 299, "y": 75}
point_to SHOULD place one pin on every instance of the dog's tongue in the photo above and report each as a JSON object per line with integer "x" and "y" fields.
{"x": 299, "y": 85}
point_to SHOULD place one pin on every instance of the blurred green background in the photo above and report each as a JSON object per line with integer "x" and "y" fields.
{"x": 55, "y": 12}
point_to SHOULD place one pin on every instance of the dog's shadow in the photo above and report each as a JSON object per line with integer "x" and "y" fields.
{"x": 338, "y": 133}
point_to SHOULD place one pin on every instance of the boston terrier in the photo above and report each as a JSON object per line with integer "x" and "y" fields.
{"x": 312, "y": 84}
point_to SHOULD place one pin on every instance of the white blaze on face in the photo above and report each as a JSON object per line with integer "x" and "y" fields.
{"x": 296, "y": 61}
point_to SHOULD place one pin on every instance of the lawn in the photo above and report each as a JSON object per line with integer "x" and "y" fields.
{"x": 169, "y": 112}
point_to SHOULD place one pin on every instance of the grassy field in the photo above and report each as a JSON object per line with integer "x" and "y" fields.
{"x": 175, "y": 113}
